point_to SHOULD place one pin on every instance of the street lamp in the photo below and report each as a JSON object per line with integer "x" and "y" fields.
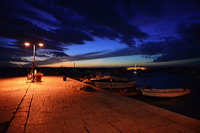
{"x": 33, "y": 62}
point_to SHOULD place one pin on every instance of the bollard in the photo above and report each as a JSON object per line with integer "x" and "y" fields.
{"x": 64, "y": 78}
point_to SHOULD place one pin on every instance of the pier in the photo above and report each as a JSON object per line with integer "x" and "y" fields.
{"x": 57, "y": 106}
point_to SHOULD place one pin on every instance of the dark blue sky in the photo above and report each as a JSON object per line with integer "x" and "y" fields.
{"x": 96, "y": 33}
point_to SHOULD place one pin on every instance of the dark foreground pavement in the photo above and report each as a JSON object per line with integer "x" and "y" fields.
{"x": 56, "y": 106}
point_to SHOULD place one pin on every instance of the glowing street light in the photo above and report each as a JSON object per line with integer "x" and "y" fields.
{"x": 33, "y": 62}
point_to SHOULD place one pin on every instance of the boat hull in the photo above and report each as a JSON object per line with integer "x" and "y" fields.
{"x": 109, "y": 79}
{"x": 110, "y": 85}
{"x": 165, "y": 92}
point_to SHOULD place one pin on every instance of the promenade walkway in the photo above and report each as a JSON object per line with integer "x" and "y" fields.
{"x": 57, "y": 106}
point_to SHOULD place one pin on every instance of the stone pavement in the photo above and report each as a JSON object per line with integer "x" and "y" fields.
{"x": 57, "y": 106}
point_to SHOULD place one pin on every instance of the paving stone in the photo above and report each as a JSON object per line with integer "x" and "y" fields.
{"x": 55, "y": 106}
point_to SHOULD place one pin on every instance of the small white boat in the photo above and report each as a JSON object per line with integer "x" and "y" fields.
{"x": 115, "y": 85}
{"x": 109, "y": 78}
{"x": 111, "y": 82}
{"x": 165, "y": 92}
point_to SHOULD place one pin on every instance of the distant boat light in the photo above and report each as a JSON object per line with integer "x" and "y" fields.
{"x": 41, "y": 44}
{"x": 27, "y": 44}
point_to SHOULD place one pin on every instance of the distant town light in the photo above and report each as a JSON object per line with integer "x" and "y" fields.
{"x": 41, "y": 44}
{"x": 27, "y": 44}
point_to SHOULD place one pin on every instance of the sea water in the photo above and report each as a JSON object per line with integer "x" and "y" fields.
{"x": 188, "y": 105}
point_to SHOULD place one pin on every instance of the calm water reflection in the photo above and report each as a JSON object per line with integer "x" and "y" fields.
{"x": 188, "y": 105}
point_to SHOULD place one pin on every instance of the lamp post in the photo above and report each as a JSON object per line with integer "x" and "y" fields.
{"x": 34, "y": 51}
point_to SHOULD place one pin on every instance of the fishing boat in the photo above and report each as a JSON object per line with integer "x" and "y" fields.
{"x": 111, "y": 82}
{"x": 114, "y": 85}
{"x": 109, "y": 78}
{"x": 165, "y": 92}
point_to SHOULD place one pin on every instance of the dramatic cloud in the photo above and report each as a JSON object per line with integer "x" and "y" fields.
{"x": 185, "y": 48}
{"x": 146, "y": 27}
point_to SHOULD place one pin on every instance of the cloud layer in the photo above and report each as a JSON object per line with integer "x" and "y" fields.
{"x": 60, "y": 24}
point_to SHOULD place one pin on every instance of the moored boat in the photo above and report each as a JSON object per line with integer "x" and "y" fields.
{"x": 165, "y": 92}
{"x": 115, "y": 85}
{"x": 109, "y": 78}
